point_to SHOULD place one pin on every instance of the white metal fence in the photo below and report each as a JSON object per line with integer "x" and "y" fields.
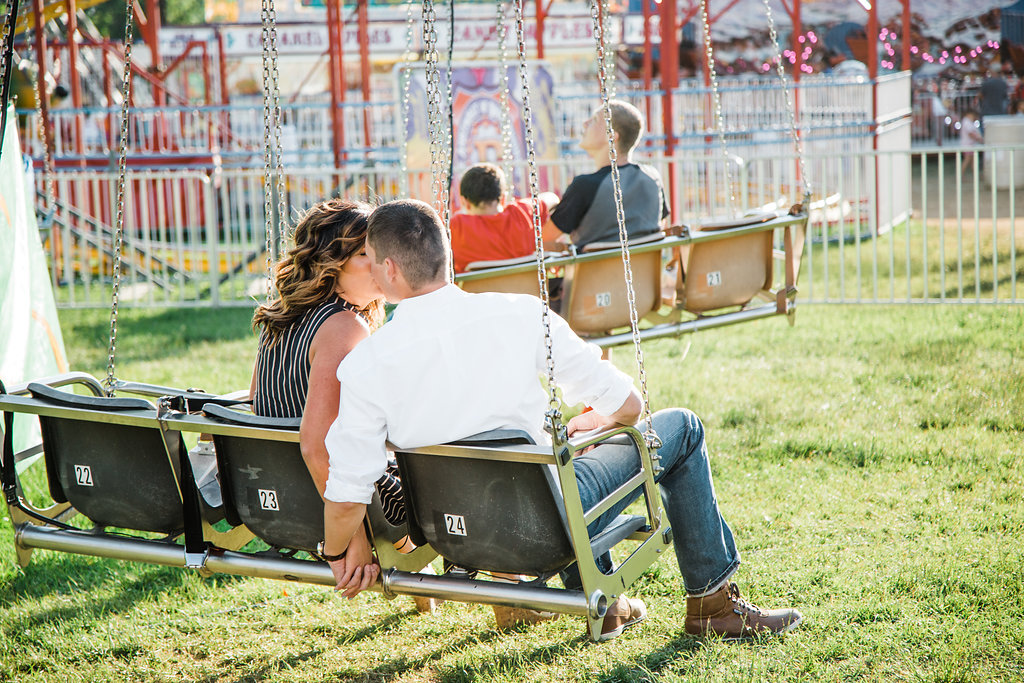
{"x": 755, "y": 112}
{"x": 198, "y": 239}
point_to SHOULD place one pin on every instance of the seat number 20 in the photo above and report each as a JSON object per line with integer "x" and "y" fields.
{"x": 455, "y": 524}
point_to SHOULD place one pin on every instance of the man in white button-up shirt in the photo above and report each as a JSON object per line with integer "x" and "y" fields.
{"x": 451, "y": 364}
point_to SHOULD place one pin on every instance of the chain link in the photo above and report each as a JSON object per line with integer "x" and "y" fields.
{"x": 282, "y": 204}
{"x": 790, "y": 105}
{"x": 554, "y": 415}
{"x": 268, "y": 151}
{"x": 439, "y": 133}
{"x": 406, "y": 75}
{"x": 653, "y": 442}
{"x": 505, "y": 96}
{"x": 716, "y": 98}
{"x": 609, "y": 55}
{"x": 122, "y": 159}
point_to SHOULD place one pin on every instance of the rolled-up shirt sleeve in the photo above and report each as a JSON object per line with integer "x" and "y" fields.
{"x": 581, "y": 373}
{"x": 356, "y": 446}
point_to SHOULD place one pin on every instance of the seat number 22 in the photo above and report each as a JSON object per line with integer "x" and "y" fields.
{"x": 455, "y": 524}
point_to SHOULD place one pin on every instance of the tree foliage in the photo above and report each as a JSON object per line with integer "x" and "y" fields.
{"x": 109, "y": 16}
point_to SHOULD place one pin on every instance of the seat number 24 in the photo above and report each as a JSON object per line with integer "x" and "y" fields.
{"x": 455, "y": 524}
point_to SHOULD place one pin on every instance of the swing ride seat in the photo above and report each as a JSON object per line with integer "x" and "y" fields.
{"x": 481, "y": 276}
{"x": 726, "y": 264}
{"x": 594, "y": 289}
{"x": 729, "y": 262}
{"x": 730, "y": 271}
{"x": 113, "y": 461}
{"x": 267, "y": 487}
{"x": 495, "y": 502}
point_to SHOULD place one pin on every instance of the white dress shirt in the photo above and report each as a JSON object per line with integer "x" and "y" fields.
{"x": 450, "y": 365}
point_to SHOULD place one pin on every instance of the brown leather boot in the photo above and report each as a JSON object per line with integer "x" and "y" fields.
{"x": 725, "y": 614}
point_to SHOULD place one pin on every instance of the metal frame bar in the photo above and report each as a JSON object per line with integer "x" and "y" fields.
{"x": 598, "y": 589}
{"x": 795, "y": 227}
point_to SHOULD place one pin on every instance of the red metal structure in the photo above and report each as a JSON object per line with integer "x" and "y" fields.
{"x": 671, "y": 16}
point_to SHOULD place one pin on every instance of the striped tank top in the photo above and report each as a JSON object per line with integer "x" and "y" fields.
{"x": 282, "y": 368}
{"x": 282, "y": 380}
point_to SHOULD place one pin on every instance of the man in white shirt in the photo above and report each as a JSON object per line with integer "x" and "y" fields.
{"x": 452, "y": 364}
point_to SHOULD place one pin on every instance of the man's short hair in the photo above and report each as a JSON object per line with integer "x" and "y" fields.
{"x": 628, "y": 122}
{"x": 411, "y": 234}
{"x": 482, "y": 184}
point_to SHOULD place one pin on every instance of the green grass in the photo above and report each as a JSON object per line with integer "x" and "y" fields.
{"x": 970, "y": 260}
{"x": 868, "y": 459}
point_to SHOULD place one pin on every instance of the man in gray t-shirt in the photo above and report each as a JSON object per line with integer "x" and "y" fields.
{"x": 586, "y": 211}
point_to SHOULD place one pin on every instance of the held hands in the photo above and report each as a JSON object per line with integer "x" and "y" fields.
{"x": 358, "y": 570}
{"x": 587, "y": 422}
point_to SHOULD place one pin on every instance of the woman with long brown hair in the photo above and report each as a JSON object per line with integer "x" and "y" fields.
{"x": 327, "y": 303}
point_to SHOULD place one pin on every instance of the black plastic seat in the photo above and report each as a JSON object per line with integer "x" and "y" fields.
{"x": 265, "y": 483}
{"x": 494, "y": 515}
{"x": 267, "y": 487}
{"x": 117, "y": 475}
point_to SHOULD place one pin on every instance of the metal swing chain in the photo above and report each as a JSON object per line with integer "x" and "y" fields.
{"x": 406, "y": 75}
{"x": 609, "y": 59}
{"x": 505, "y": 96}
{"x": 653, "y": 442}
{"x": 717, "y": 100}
{"x": 554, "y": 415}
{"x": 790, "y": 106}
{"x": 122, "y": 159}
{"x": 449, "y": 149}
{"x": 437, "y": 133}
{"x": 275, "y": 112}
{"x": 268, "y": 207}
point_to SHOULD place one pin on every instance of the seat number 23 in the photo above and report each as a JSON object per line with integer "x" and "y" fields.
{"x": 268, "y": 499}
{"x": 455, "y": 524}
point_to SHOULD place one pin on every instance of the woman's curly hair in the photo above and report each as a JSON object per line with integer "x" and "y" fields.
{"x": 325, "y": 239}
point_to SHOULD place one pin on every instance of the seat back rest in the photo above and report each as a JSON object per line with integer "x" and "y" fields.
{"x": 727, "y": 272}
{"x": 116, "y": 475}
{"x": 514, "y": 283}
{"x": 265, "y": 483}
{"x": 486, "y": 514}
{"x": 598, "y": 301}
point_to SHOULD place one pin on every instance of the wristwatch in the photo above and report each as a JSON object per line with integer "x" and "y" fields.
{"x": 328, "y": 558}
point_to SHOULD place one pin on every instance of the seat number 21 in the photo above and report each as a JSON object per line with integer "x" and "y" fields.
{"x": 455, "y": 524}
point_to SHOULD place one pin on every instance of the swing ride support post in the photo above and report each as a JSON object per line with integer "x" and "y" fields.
{"x": 41, "y": 94}
{"x": 795, "y": 46}
{"x": 207, "y": 98}
{"x": 337, "y": 79}
{"x": 149, "y": 28}
{"x": 669, "y": 82}
{"x": 108, "y": 88}
{"x": 364, "y": 65}
{"x": 225, "y": 97}
{"x": 905, "y": 37}
{"x": 542, "y": 14}
{"x": 73, "y": 80}
{"x": 648, "y": 65}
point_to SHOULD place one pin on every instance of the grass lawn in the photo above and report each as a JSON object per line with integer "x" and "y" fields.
{"x": 868, "y": 459}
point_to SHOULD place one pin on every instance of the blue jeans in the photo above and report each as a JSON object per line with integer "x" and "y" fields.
{"x": 704, "y": 545}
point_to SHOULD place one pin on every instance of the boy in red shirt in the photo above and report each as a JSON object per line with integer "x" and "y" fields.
{"x": 488, "y": 228}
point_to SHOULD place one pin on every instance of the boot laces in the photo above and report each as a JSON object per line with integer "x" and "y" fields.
{"x": 743, "y": 605}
